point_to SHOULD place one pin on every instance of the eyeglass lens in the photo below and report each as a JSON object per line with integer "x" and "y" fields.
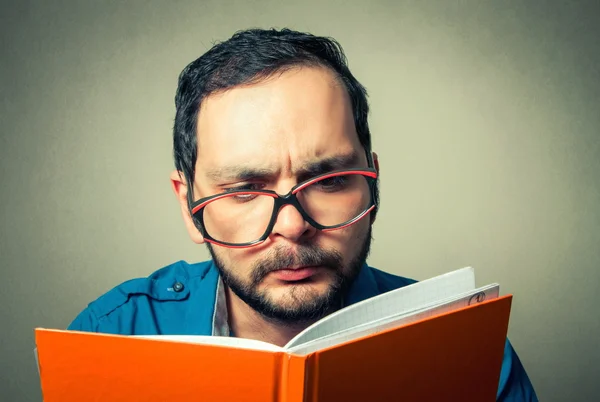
{"x": 244, "y": 217}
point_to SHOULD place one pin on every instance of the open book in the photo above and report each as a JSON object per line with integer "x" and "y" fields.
{"x": 439, "y": 339}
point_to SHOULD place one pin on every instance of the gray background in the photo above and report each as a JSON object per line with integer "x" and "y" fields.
{"x": 485, "y": 115}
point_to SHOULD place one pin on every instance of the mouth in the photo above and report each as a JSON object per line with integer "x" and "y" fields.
{"x": 296, "y": 274}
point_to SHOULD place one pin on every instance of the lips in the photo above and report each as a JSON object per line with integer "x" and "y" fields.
{"x": 294, "y": 274}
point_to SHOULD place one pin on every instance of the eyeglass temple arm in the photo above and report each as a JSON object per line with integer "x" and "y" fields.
{"x": 370, "y": 162}
{"x": 190, "y": 192}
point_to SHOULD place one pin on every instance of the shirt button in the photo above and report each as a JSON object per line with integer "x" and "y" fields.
{"x": 178, "y": 287}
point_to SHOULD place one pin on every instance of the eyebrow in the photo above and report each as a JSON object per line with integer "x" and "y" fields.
{"x": 240, "y": 173}
{"x": 329, "y": 164}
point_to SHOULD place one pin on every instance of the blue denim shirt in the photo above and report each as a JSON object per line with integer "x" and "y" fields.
{"x": 182, "y": 299}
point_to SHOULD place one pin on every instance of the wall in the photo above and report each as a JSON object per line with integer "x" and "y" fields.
{"x": 485, "y": 116}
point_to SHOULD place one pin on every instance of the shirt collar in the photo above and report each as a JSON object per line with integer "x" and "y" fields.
{"x": 363, "y": 287}
{"x": 220, "y": 317}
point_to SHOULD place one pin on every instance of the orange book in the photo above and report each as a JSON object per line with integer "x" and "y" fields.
{"x": 437, "y": 340}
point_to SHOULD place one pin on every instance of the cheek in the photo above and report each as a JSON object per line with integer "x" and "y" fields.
{"x": 348, "y": 241}
{"x": 237, "y": 261}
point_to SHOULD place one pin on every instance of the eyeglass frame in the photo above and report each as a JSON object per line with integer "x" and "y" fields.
{"x": 370, "y": 173}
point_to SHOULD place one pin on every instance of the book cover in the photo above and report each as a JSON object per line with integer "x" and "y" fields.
{"x": 453, "y": 355}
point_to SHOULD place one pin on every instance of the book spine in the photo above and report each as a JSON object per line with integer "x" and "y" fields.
{"x": 292, "y": 378}
{"x": 311, "y": 378}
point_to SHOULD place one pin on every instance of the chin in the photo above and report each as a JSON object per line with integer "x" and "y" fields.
{"x": 292, "y": 294}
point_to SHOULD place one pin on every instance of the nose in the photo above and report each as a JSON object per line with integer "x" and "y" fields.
{"x": 291, "y": 225}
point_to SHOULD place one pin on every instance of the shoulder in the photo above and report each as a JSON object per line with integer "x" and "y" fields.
{"x": 135, "y": 302}
{"x": 515, "y": 384}
{"x": 386, "y": 281}
{"x": 167, "y": 283}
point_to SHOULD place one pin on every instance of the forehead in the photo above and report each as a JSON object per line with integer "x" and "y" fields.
{"x": 301, "y": 114}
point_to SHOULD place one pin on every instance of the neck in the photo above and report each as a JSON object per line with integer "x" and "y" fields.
{"x": 245, "y": 322}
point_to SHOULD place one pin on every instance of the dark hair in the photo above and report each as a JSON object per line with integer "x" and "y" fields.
{"x": 250, "y": 56}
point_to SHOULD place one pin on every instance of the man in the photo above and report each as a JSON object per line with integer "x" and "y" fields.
{"x": 275, "y": 174}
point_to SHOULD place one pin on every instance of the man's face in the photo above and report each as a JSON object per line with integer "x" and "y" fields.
{"x": 276, "y": 128}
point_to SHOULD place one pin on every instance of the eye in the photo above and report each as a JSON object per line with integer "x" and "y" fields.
{"x": 238, "y": 194}
{"x": 333, "y": 183}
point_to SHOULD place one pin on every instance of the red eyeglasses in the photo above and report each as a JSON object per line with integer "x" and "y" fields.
{"x": 244, "y": 218}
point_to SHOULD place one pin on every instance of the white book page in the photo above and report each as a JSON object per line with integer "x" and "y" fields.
{"x": 466, "y": 299}
{"x": 239, "y": 343}
{"x": 390, "y": 304}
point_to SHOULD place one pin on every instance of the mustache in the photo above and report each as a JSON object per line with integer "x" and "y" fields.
{"x": 304, "y": 255}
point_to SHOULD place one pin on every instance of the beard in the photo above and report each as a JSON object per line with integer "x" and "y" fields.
{"x": 302, "y": 303}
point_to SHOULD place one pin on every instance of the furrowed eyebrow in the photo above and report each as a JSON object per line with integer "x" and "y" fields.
{"x": 238, "y": 174}
{"x": 231, "y": 174}
{"x": 337, "y": 162}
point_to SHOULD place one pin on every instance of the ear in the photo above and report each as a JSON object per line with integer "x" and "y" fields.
{"x": 376, "y": 162}
{"x": 180, "y": 188}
